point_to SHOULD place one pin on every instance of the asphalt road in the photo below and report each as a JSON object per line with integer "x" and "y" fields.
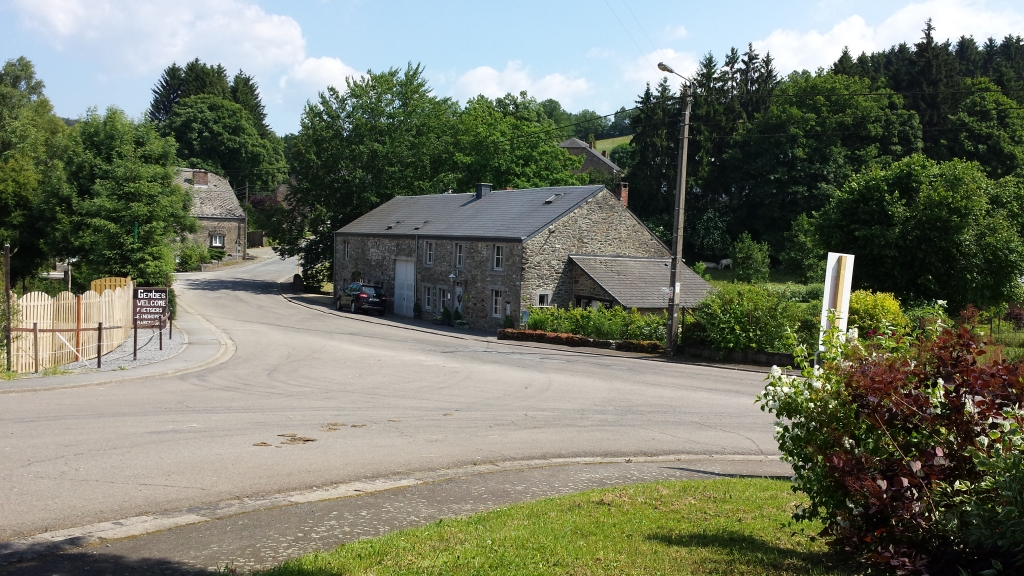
{"x": 377, "y": 399}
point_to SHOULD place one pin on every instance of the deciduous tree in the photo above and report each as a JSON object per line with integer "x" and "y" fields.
{"x": 930, "y": 231}
{"x": 127, "y": 207}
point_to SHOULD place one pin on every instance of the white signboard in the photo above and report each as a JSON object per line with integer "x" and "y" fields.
{"x": 838, "y": 281}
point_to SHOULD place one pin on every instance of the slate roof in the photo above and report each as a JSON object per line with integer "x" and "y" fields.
{"x": 500, "y": 214}
{"x": 637, "y": 282}
{"x": 592, "y": 158}
{"x": 217, "y": 200}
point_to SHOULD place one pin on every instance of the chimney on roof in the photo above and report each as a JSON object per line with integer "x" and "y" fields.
{"x": 622, "y": 193}
{"x": 604, "y": 153}
{"x": 200, "y": 178}
{"x": 482, "y": 189}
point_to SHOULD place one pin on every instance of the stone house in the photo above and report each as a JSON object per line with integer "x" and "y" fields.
{"x": 222, "y": 222}
{"x": 591, "y": 159}
{"x": 489, "y": 254}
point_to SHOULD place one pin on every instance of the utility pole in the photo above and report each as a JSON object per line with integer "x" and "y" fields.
{"x": 7, "y": 300}
{"x": 672, "y": 335}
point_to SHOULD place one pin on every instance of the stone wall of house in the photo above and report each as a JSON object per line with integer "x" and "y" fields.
{"x": 370, "y": 260}
{"x": 601, "y": 226}
{"x": 374, "y": 259}
{"x": 585, "y": 286}
{"x": 232, "y": 230}
{"x": 476, "y": 277}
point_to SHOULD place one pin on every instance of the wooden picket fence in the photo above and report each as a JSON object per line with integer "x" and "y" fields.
{"x": 56, "y": 331}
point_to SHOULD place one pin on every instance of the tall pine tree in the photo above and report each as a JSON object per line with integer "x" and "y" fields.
{"x": 655, "y": 148}
{"x": 246, "y": 93}
{"x": 167, "y": 93}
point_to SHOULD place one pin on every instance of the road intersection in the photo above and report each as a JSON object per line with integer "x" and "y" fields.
{"x": 306, "y": 400}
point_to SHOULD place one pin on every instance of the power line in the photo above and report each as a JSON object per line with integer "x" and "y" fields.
{"x": 640, "y": 25}
{"x": 628, "y": 34}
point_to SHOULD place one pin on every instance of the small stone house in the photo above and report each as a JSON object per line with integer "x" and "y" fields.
{"x": 490, "y": 254}
{"x": 632, "y": 282}
{"x": 591, "y": 159}
{"x": 222, "y": 222}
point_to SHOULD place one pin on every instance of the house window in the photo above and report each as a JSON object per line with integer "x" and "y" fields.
{"x": 428, "y": 300}
{"x": 459, "y": 259}
{"x": 442, "y": 299}
{"x": 543, "y": 299}
{"x": 346, "y": 250}
{"x": 217, "y": 241}
{"x": 499, "y": 256}
{"x": 497, "y": 303}
{"x": 430, "y": 252}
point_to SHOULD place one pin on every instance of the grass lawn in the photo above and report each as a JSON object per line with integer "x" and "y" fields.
{"x": 775, "y": 276}
{"x": 610, "y": 143}
{"x": 729, "y": 526}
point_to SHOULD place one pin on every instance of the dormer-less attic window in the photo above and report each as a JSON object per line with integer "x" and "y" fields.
{"x": 552, "y": 198}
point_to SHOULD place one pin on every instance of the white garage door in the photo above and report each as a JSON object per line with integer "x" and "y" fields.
{"x": 405, "y": 286}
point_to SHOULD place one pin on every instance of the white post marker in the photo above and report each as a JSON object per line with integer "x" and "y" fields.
{"x": 838, "y": 281}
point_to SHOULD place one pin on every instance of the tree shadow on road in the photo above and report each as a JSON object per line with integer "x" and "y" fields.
{"x": 96, "y": 561}
{"x": 251, "y": 286}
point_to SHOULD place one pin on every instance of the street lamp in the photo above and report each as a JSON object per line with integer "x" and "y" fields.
{"x": 672, "y": 336}
{"x": 451, "y": 297}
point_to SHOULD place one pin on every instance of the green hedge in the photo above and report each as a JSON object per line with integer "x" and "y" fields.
{"x": 601, "y": 323}
{"x": 750, "y": 317}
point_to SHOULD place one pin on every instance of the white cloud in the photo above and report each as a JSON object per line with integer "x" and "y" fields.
{"x": 515, "y": 78}
{"x": 320, "y": 73}
{"x": 138, "y": 37}
{"x": 645, "y": 69}
{"x": 142, "y": 37}
{"x": 796, "y": 50}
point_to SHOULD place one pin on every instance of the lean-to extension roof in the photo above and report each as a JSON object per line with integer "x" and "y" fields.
{"x": 500, "y": 214}
{"x": 215, "y": 200}
{"x": 637, "y": 282}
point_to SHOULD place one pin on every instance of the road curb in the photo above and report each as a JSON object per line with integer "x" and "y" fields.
{"x": 61, "y": 540}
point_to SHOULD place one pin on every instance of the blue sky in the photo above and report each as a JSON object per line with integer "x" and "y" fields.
{"x": 594, "y": 54}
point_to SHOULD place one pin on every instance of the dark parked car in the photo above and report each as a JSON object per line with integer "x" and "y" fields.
{"x": 361, "y": 297}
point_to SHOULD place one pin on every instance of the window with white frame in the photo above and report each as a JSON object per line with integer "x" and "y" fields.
{"x": 497, "y": 303}
{"x": 217, "y": 241}
{"x": 346, "y": 250}
{"x": 428, "y": 300}
{"x": 429, "y": 252}
{"x": 460, "y": 259}
{"x": 544, "y": 299}
{"x": 499, "y": 256}
{"x": 442, "y": 299}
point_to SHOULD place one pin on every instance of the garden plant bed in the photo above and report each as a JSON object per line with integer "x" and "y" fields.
{"x": 647, "y": 347}
{"x": 728, "y": 526}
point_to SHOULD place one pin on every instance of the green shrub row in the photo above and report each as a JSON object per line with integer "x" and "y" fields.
{"x": 738, "y": 316}
{"x": 613, "y": 323}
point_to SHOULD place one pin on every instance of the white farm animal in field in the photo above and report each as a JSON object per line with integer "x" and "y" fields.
{"x": 724, "y": 263}
{"x": 710, "y": 265}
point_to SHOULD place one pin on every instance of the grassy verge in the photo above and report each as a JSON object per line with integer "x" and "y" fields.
{"x": 732, "y": 526}
{"x": 608, "y": 144}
